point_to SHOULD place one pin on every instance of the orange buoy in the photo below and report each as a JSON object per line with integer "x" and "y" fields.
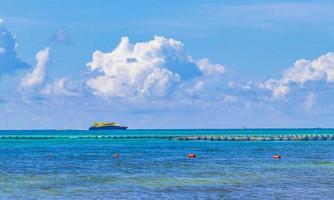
{"x": 277, "y": 156}
{"x": 115, "y": 155}
{"x": 191, "y": 155}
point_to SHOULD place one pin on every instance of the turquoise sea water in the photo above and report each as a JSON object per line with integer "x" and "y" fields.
{"x": 34, "y": 165}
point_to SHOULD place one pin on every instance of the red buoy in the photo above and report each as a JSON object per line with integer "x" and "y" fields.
{"x": 276, "y": 156}
{"x": 191, "y": 155}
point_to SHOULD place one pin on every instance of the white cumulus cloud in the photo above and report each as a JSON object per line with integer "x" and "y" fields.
{"x": 58, "y": 87}
{"x": 207, "y": 67}
{"x": 36, "y": 83}
{"x": 278, "y": 87}
{"x": 38, "y": 75}
{"x": 150, "y": 68}
{"x": 302, "y": 72}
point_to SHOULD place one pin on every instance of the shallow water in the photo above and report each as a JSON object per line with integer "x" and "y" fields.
{"x": 158, "y": 168}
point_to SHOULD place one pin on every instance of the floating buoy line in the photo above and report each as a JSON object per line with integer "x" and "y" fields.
{"x": 259, "y": 137}
{"x": 174, "y": 137}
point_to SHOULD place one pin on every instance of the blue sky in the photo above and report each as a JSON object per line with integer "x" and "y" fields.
{"x": 180, "y": 64}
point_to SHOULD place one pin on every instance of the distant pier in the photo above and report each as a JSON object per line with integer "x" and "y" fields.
{"x": 307, "y": 137}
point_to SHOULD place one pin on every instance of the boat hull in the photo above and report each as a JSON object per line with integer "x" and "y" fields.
{"x": 108, "y": 128}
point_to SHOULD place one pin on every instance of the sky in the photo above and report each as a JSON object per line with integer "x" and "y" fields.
{"x": 166, "y": 64}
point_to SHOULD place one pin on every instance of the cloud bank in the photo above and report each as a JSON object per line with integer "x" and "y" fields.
{"x": 166, "y": 82}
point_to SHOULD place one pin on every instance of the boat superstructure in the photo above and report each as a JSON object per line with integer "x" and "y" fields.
{"x": 107, "y": 126}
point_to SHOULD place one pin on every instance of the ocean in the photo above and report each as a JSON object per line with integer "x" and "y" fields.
{"x": 74, "y": 164}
